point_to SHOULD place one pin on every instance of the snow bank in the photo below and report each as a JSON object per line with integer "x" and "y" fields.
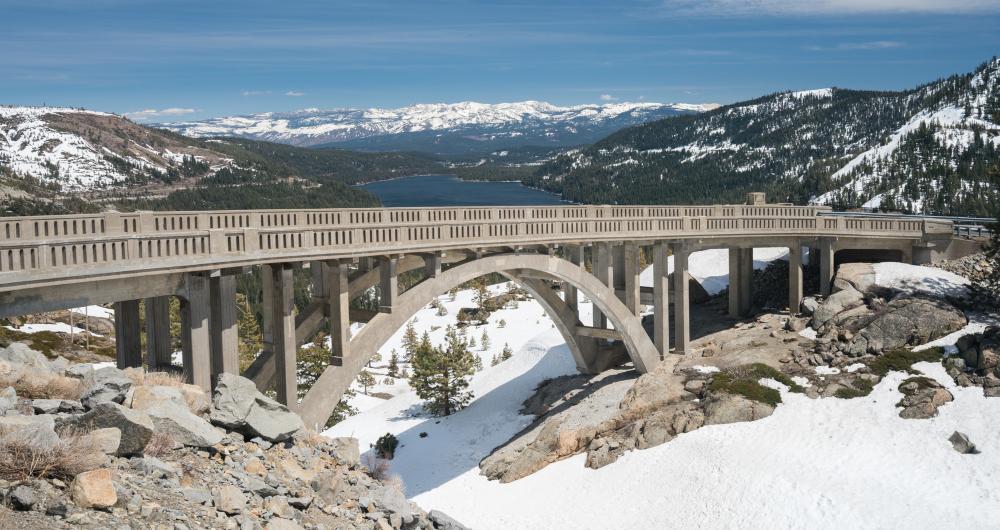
{"x": 917, "y": 279}
{"x": 58, "y": 327}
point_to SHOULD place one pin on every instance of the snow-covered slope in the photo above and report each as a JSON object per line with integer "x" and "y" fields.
{"x": 82, "y": 150}
{"x": 815, "y": 463}
{"x": 510, "y": 124}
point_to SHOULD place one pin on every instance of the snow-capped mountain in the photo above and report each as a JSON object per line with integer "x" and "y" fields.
{"x": 440, "y": 128}
{"x": 934, "y": 148}
{"x": 75, "y": 149}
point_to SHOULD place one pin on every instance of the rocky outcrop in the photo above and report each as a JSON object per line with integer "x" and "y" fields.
{"x": 978, "y": 361}
{"x": 922, "y": 397}
{"x": 722, "y": 408}
{"x": 907, "y": 321}
{"x": 238, "y": 405}
{"x": 135, "y": 426}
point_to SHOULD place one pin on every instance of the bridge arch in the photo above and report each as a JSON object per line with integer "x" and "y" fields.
{"x": 321, "y": 399}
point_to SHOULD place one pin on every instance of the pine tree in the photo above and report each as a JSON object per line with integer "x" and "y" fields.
{"x": 484, "y": 341}
{"x": 502, "y": 324}
{"x": 410, "y": 340}
{"x": 440, "y": 374}
{"x": 251, "y": 340}
{"x": 376, "y": 357}
{"x": 393, "y": 364}
{"x": 507, "y": 353}
{"x": 366, "y": 379}
{"x": 494, "y": 361}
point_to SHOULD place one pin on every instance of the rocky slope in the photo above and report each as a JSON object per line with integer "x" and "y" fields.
{"x": 928, "y": 149}
{"x": 91, "y": 446}
{"x": 447, "y": 128}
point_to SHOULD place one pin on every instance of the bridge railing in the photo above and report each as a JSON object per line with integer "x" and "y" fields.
{"x": 153, "y": 238}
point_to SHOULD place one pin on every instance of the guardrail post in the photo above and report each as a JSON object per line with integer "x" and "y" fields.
{"x": 113, "y": 224}
{"x": 217, "y": 242}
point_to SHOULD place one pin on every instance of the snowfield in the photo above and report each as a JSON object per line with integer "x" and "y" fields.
{"x": 823, "y": 463}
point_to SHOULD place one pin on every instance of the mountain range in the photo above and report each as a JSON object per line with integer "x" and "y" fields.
{"x": 440, "y": 128}
{"x": 931, "y": 149}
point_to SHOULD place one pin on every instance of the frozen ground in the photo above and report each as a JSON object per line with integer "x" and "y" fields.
{"x": 824, "y": 463}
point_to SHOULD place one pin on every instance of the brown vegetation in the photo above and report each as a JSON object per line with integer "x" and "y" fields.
{"x": 22, "y": 456}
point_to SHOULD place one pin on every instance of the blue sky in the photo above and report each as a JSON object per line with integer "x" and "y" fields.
{"x": 177, "y": 59}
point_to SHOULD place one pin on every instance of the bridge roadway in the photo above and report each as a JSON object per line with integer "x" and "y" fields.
{"x": 57, "y": 262}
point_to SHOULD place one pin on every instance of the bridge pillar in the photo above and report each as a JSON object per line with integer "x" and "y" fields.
{"x": 283, "y": 317}
{"x": 265, "y": 377}
{"x": 223, "y": 324}
{"x": 158, "y": 347}
{"x": 794, "y": 277}
{"x": 128, "y": 337}
{"x": 661, "y": 301}
{"x": 826, "y": 266}
{"x": 195, "y": 335}
{"x": 682, "y": 306}
{"x": 338, "y": 295}
{"x": 746, "y": 280}
{"x": 574, "y": 253}
{"x": 604, "y": 272}
{"x": 388, "y": 276}
{"x": 734, "y": 282}
{"x": 630, "y": 277}
{"x": 432, "y": 264}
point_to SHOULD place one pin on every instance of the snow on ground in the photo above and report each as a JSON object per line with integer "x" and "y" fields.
{"x": 94, "y": 311}
{"x": 58, "y": 327}
{"x": 917, "y": 279}
{"x": 711, "y": 267}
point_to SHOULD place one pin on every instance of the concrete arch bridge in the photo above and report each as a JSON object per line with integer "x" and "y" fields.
{"x": 56, "y": 262}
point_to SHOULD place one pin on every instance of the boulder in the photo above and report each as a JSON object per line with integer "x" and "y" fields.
{"x": 22, "y": 498}
{"x": 443, "y": 521}
{"x": 174, "y": 419}
{"x": 238, "y": 405}
{"x": 860, "y": 276}
{"x": 20, "y": 353}
{"x": 107, "y": 439}
{"x": 149, "y": 465}
{"x": 391, "y": 500}
{"x": 79, "y": 371}
{"x": 278, "y": 505}
{"x": 808, "y": 306}
{"x": 345, "y": 450}
{"x": 94, "y": 489}
{"x": 229, "y": 500}
{"x": 922, "y": 397}
{"x": 54, "y": 406}
{"x": 39, "y": 430}
{"x": 8, "y": 401}
{"x": 722, "y": 407}
{"x": 279, "y": 523}
{"x": 106, "y": 385}
{"x": 961, "y": 443}
{"x": 136, "y": 426}
{"x": 910, "y": 321}
{"x": 842, "y": 300}
{"x": 144, "y": 397}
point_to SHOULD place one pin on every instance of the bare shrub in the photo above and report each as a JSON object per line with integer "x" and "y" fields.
{"x": 378, "y": 468}
{"x": 39, "y": 384}
{"x": 160, "y": 444}
{"x": 141, "y": 377}
{"x": 22, "y": 456}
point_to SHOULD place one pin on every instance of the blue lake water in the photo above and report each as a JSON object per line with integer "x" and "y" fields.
{"x": 445, "y": 190}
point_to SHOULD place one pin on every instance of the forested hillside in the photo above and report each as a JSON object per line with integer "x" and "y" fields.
{"x": 929, "y": 149}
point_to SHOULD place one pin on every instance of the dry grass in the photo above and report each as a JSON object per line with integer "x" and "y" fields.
{"x": 378, "y": 468}
{"x": 141, "y": 377}
{"x": 22, "y": 456}
{"x": 160, "y": 444}
{"x": 39, "y": 384}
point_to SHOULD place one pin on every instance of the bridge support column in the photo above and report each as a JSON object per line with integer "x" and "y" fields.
{"x": 604, "y": 271}
{"x": 826, "y": 266}
{"x": 158, "y": 347}
{"x": 746, "y": 280}
{"x": 223, "y": 324}
{"x": 388, "y": 276}
{"x": 630, "y": 277}
{"x": 661, "y": 301}
{"x": 432, "y": 265}
{"x": 734, "y": 282}
{"x": 196, "y": 337}
{"x": 283, "y": 317}
{"x": 128, "y": 337}
{"x": 794, "y": 277}
{"x": 339, "y": 297}
{"x": 574, "y": 253}
{"x": 682, "y": 306}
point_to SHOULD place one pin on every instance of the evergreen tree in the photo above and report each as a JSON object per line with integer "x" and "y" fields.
{"x": 494, "y": 361}
{"x": 393, "y": 364}
{"x": 440, "y": 374}
{"x": 366, "y": 380}
{"x": 507, "y": 353}
{"x": 484, "y": 341}
{"x": 376, "y": 357}
{"x": 410, "y": 340}
{"x": 251, "y": 340}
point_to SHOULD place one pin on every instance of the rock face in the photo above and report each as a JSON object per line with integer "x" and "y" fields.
{"x": 846, "y": 298}
{"x": 22, "y": 354}
{"x": 136, "y": 427}
{"x": 106, "y": 385}
{"x": 859, "y": 276}
{"x": 922, "y": 397}
{"x": 723, "y": 408}
{"x": 238, "y": 405}
{"x": 94, "y": 489}
{"x": 908, "y": 321}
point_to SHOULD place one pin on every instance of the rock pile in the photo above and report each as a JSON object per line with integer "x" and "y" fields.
{"x": 98, "y": 447}
{"x": 978, "y": 361}
{"x": 922, "y": 397}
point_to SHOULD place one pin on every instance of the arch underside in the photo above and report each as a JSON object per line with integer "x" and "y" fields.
{"x": 321, "y": 399}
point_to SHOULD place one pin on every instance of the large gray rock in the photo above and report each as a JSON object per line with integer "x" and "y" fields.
{"x": 910, "y": 321}
{"x": 20, "y": 353}
{"x": 961, "y": 443}
{"x": 55, "y": 406}
{"x": 238, "y": 405}
{"x": 177, "y": 421}
{"x": 392, "y": 501}
{"x": 842, "y": 300}
{"x": 722, "y": 407}
{"x": 106, "y": 385}
{"x": 346, "y": 450}
{"x": 136, "y": 427}
{"x": 443, "y": 521}
{"x": 39, "y": 430}
{"x": 808, "y": 306}
{"x": 860, "y": 276}
{"x": 8, "y": 401}
{"x": 922, "y": 397}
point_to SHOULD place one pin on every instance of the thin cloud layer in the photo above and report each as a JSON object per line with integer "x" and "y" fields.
{"x": 146, "y": 114}
{"x": 828, "y": 7}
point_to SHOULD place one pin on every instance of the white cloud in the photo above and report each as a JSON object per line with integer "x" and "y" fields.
{"x": 850, "y": 46}
{"x": 247, "y": 93}
{"x": 828, "y": 7}
{"x": 294, "y": 93}
{"x": 154, "y": 113}
{"x": 608, "y": 97}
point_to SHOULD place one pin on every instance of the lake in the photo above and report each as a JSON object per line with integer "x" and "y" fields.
{"x": 446, "y": 190}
